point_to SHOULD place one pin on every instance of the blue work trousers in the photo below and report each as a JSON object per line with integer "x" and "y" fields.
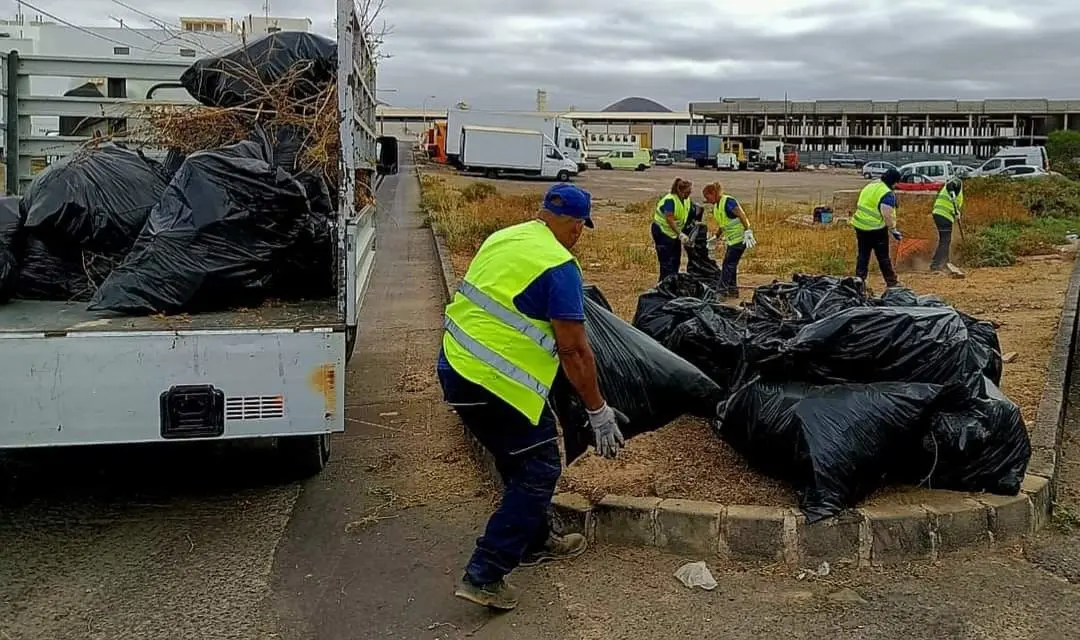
{"x": 527, "y": 459}
{"x": 668, "y": 252}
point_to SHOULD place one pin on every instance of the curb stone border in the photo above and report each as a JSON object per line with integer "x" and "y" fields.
{"x": 865, "y": 536}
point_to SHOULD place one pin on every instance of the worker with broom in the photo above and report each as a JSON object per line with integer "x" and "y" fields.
{"x": 947, "y": 209}
{"x": 517, "y": 317}
{"x": 874, "y": 221}
{"x": 734, "y": 229}
{"x": 669, "y": 220}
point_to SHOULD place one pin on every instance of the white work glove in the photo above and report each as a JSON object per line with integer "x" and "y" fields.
{"x": 897, "y": 235}
{"x": 605, "y": 425}
{"x": 748, "y": 239}
{"x": 685, "y": 239}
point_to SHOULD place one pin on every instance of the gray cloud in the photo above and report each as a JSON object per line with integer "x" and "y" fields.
{"x": 589, "y": 53}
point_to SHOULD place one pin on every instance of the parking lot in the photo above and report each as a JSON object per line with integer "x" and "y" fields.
{"x": 624, "y": 185}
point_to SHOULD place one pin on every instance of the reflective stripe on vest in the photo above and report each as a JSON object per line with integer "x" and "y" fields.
{"x": 497, "y": 362}
{"x": 682, "y": 212}
{"x": 732, "y": 227}
{"x": 945, "y": 206}
{"x": 512, "y": 318}
{"x": 867, "y": 212}
{"x": 487, "y": 340}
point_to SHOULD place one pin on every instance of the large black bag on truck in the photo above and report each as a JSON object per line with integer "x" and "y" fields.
{"x": 835, "y": 444}
{"x": 96, "y": 199}
{"x": 10, "y": 228}
{"x": 638, "y": 376}
{"x": 216, "y": 239}
{"x": 303, "y": 63}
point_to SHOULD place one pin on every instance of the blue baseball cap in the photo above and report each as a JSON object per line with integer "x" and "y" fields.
{"x": 565, "y": 199}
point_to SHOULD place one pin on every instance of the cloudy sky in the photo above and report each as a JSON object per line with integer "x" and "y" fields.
{"x": 589, "y": 53}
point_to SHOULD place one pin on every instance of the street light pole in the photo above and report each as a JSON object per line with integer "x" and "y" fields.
{"x": 423, "y": 110}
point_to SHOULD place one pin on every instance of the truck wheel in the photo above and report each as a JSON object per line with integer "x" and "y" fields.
{"x": 303, "y": 456}
{"x": 491, "y": 173}
{"x": 563, "y": 176}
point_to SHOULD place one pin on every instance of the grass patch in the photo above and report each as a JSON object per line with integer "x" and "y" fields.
{"x": 998, "y": 226}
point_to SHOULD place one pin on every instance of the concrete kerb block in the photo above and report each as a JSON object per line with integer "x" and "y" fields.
{"x": 572, "y": 513}
{"x": 1010, "y": 516}
{"x": 626, "y": 520}
{"x": 897, "y": 533}
{"x": 964, "y": 524}
{"x": 689, "y": 526}
{"x": 755, "y": 533}
{"x": 1037, "y": 489}
{"x": 833, "y": 539}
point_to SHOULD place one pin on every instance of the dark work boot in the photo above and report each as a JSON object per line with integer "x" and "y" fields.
{"x": 497, "y": 595}
{"x": 565, "y": 547}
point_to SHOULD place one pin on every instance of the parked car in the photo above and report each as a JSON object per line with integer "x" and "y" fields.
{"x": 916, "y": 182}
{"x": 663, "y": 159}
{"x": 875, "y": 169}
{"x": 843, "y": 160}
{"x": 937, "y": 170}
{"x": 962, "y": 170}
{"x": 727, "y": 162}
{"x": 638, "y": 160}
{"x": 1024, "y": 172}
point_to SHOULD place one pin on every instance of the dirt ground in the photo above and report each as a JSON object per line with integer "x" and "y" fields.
{"x": 1024, "y": 299}
{"x": 631, "y": 186}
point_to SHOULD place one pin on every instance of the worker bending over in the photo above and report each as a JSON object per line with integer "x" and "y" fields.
{"x": 947, "y": 209}
{"x": 667, "y": 228}
{"x": 874, "y": 221}
{"x": 734, "y": 229}
{"x": 518, "y": 315}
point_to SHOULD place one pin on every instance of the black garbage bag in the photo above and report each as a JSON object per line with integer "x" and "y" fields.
{"x": 700, "y": 266}
{"x": 985, "y": 346}
{"x": 650, "y": 316}
{"x": 96, "y": 199}
{"x": 638, "y": 376}
{"x": 983, "y": 446}
{"x": 223, "y": 227}
{"x": 62, "y": 275}
{"x": 835, "y": 444}
{"x": 242, "y": 77}
{"x": 308, "y": 269}
{"x": 808, "y": 298}
{"x": 10, "y": 228}
{"x": 878, "y": 344}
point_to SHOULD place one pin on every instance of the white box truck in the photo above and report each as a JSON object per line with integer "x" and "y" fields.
{"x": 561, "y": 130}
{"x": 76, "y": 377}
{"x": 497, "y": 151}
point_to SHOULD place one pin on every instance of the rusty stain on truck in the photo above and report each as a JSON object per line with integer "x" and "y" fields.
{"x": 323, "y": 380}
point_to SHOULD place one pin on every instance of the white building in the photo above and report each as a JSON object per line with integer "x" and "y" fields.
{"x": 193, "y": 38}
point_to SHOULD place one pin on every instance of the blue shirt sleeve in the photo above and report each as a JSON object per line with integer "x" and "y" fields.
{"x": 889, "y": 200}
{"x": 668, "y": 207}
{"x": 730, "y": 206}
{"x": 555, "y": 295}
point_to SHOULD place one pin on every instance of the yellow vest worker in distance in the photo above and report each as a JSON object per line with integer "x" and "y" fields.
{"x": 669, "y": 220}
{"x": 874, "y": 220}
{"x": 948, "y": 206}
{"x": 734, "y": 230}
{"x": 517, "y": 317}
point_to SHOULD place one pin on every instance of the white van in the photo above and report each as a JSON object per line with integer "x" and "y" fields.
{"x": 1014, "y": 157}
{"x": 935, "y": 170}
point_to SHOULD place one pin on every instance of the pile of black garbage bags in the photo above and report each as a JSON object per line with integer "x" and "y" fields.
{"x": 219, "y": 228}
{"x": 817, "y": 383}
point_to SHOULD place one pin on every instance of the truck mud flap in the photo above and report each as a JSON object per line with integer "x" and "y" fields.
{"x": 192, "y": 411}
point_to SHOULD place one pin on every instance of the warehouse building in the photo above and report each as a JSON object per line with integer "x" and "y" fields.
{"x": 969, "y": 127}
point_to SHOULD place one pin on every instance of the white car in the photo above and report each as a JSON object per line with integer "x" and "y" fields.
{"x": 1024, "y": 171}
{"x": 876, "y": 169}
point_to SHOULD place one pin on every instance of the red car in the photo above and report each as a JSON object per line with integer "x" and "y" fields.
{"x": 916, "y": 182}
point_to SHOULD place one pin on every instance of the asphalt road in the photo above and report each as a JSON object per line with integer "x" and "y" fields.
{"x": 138, "y": 543}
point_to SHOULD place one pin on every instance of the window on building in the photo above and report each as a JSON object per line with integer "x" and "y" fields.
{"x": 121, "y": 51}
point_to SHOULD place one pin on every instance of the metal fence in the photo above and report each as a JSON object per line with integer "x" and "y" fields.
{"x": 896, "y": 157}
{"x": 25, "y": 151}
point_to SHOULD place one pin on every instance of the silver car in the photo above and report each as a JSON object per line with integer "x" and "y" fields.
{"x": 876, "y": 168}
